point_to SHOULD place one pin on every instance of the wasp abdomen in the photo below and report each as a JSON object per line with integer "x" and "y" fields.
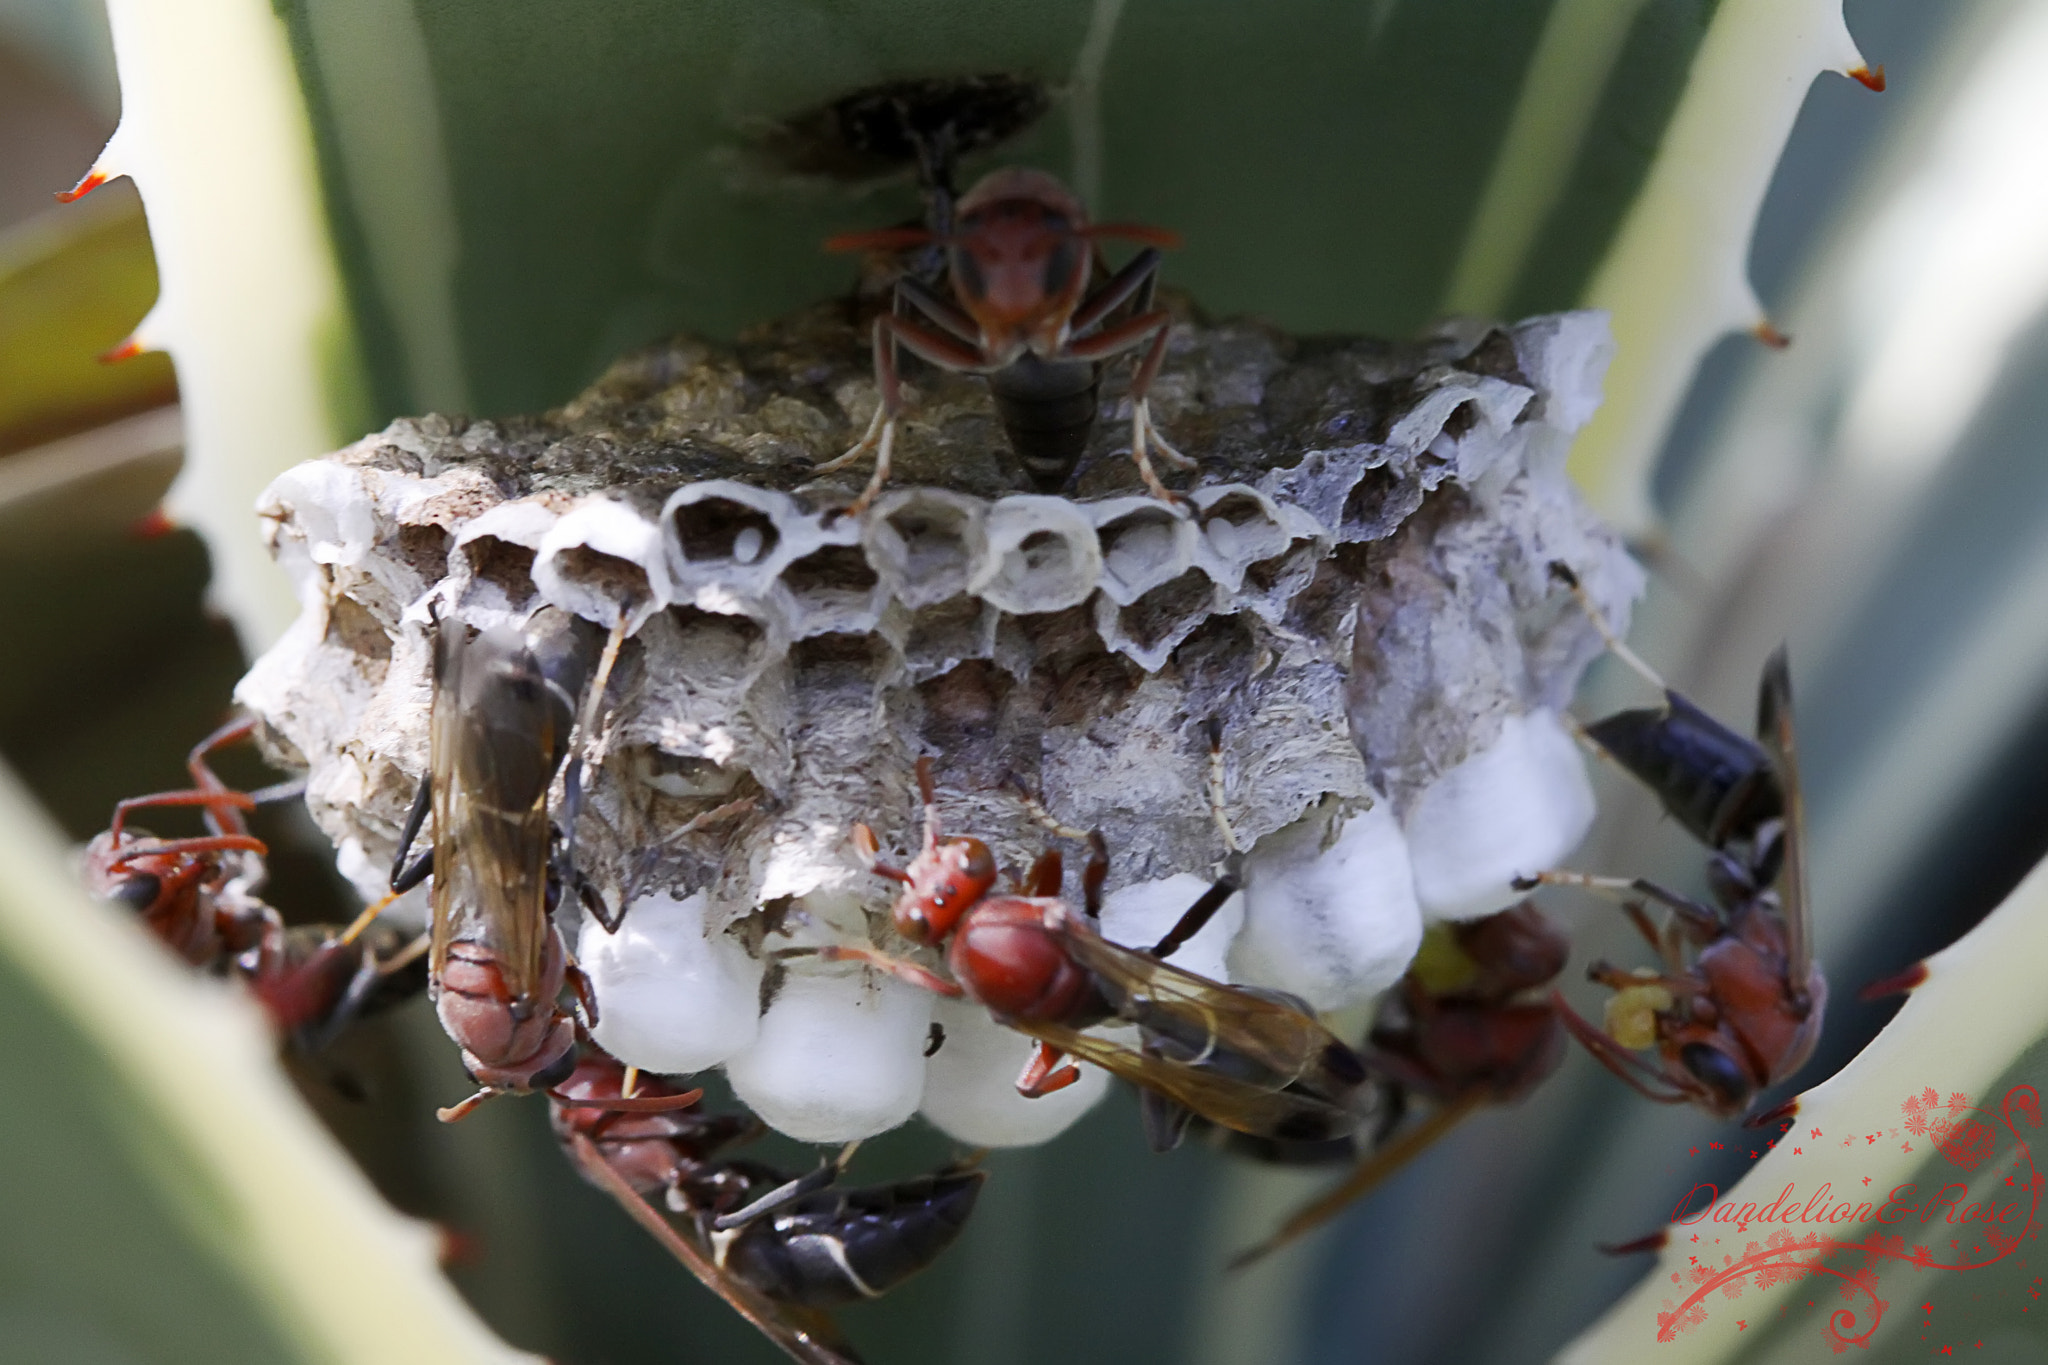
{"x": 1047, "y": 409}
{"x": 1717, "y": 783}
{"x": 841, "y": 1246}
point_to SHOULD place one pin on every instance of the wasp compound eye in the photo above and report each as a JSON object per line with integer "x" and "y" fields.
{"x": 138, "y": 891}
{"x": 558, "y": 1071}
{"x": 1719, "y": 1072}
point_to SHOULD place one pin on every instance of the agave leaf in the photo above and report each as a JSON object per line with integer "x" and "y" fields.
{"x": 214, "y": 132}
{"x": 72, "y": 284}
{"x": 186, "y": 1204}
{"x": 1676, "y": 278}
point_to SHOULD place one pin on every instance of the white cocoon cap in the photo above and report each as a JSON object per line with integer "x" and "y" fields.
{"x": 970, "y": 1084}
{"x": 670, "y": 998}
{"x": 840, "y": 1055}
{"x": 1141, "y": 914}
{"x": 1515, "y": 808}
{"x": 1334, "y": 925}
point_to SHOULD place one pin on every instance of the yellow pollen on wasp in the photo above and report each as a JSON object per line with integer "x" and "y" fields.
{"x": 1632, "y": 1014}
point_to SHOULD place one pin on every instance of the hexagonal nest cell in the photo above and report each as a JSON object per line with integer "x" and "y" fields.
{"x": 1076, "y": 648}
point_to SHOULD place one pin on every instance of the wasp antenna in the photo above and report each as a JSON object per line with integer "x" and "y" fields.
{"x": 625, "y": 1104}
{"x": 1649, "y": 1242}
{"x": 1898, "y": 983}
{"x": 367, "y": 918}
{"x": 456, "y": 1113}
{"x": 882, "y": 239}
{"x": 1561, "y": 572}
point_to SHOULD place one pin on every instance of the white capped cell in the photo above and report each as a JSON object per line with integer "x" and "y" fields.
{"x": 670, "y": 997}
{"x": 840, "y": 1054}
{"x": 1330, "y": 908}
{"x": 1141, "y": 914}
{"x": 1240, "y": 526}
{"x": 1515, "y": 808}
{"x": 970, "y": 1084}
{"x": 1145, "y": 542}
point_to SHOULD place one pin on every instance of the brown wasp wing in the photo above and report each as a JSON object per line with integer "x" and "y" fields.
{"x": 1314, "y": 1083}
{"x": 493, "y": 737}
{"x": 1774, "y": 724}
{"x": 804, "y": 1334}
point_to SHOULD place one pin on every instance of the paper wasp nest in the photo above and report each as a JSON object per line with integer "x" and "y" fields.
{"x": 1358, "y": 595}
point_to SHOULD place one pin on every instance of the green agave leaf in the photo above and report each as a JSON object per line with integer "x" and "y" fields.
{"x": 176, "y": 1201}
{"x": 1980, "y": 1012}
{"x": 371, "y": 207}
{"x": 72, "y": 284}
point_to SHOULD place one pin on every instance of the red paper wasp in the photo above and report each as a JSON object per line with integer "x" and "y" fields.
{"x": 1462, "y": 1030}
{"x": 1018, "y": 259}
{"x": 1739, "y": 1002}
{"x": 504, "y": 706}
{"x": 199, "y": 896}
{"x": 1242, "y": 1060}
{"x": 814, "y": 1250}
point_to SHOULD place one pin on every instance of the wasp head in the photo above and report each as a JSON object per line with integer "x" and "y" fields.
{"x": 943, "y": 883}
{"x": 1019, "y": 258}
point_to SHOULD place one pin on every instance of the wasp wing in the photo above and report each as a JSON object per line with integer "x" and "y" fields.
{"x": 1774, "y": 725}
{"x": 497, "y": 732}
{"x": 1260, "y": 1108}
{"x": 804, "y": 1335}
{"x": 1241, "y": 1059}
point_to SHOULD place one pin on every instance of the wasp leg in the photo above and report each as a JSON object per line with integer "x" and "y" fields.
{"x": 1094, "y": 874}
{"x": 1613, "y": 977}
{"x": 894, "y": 966}
{"x": 1145, "y": 437}
{"x": 1135, "y": 279}
{"x": 1630, "y": 1069}
{"x": 211, "y": 843}
{"x": 212, "y": 798}
{"x": 1045, "y": 875}
{"x": 880, "y": 437}
{"x": 228, "y": 818}
{"x": 1698, "y": 917}
{"x": 789, "y": 1192}
{"x": 870, "y": 852}
{"x": 1043, "y": 1075}
{"x": 1196, "y": 916}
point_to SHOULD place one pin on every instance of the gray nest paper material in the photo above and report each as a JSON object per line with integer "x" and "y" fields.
{"x": 1358, "y": 591}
